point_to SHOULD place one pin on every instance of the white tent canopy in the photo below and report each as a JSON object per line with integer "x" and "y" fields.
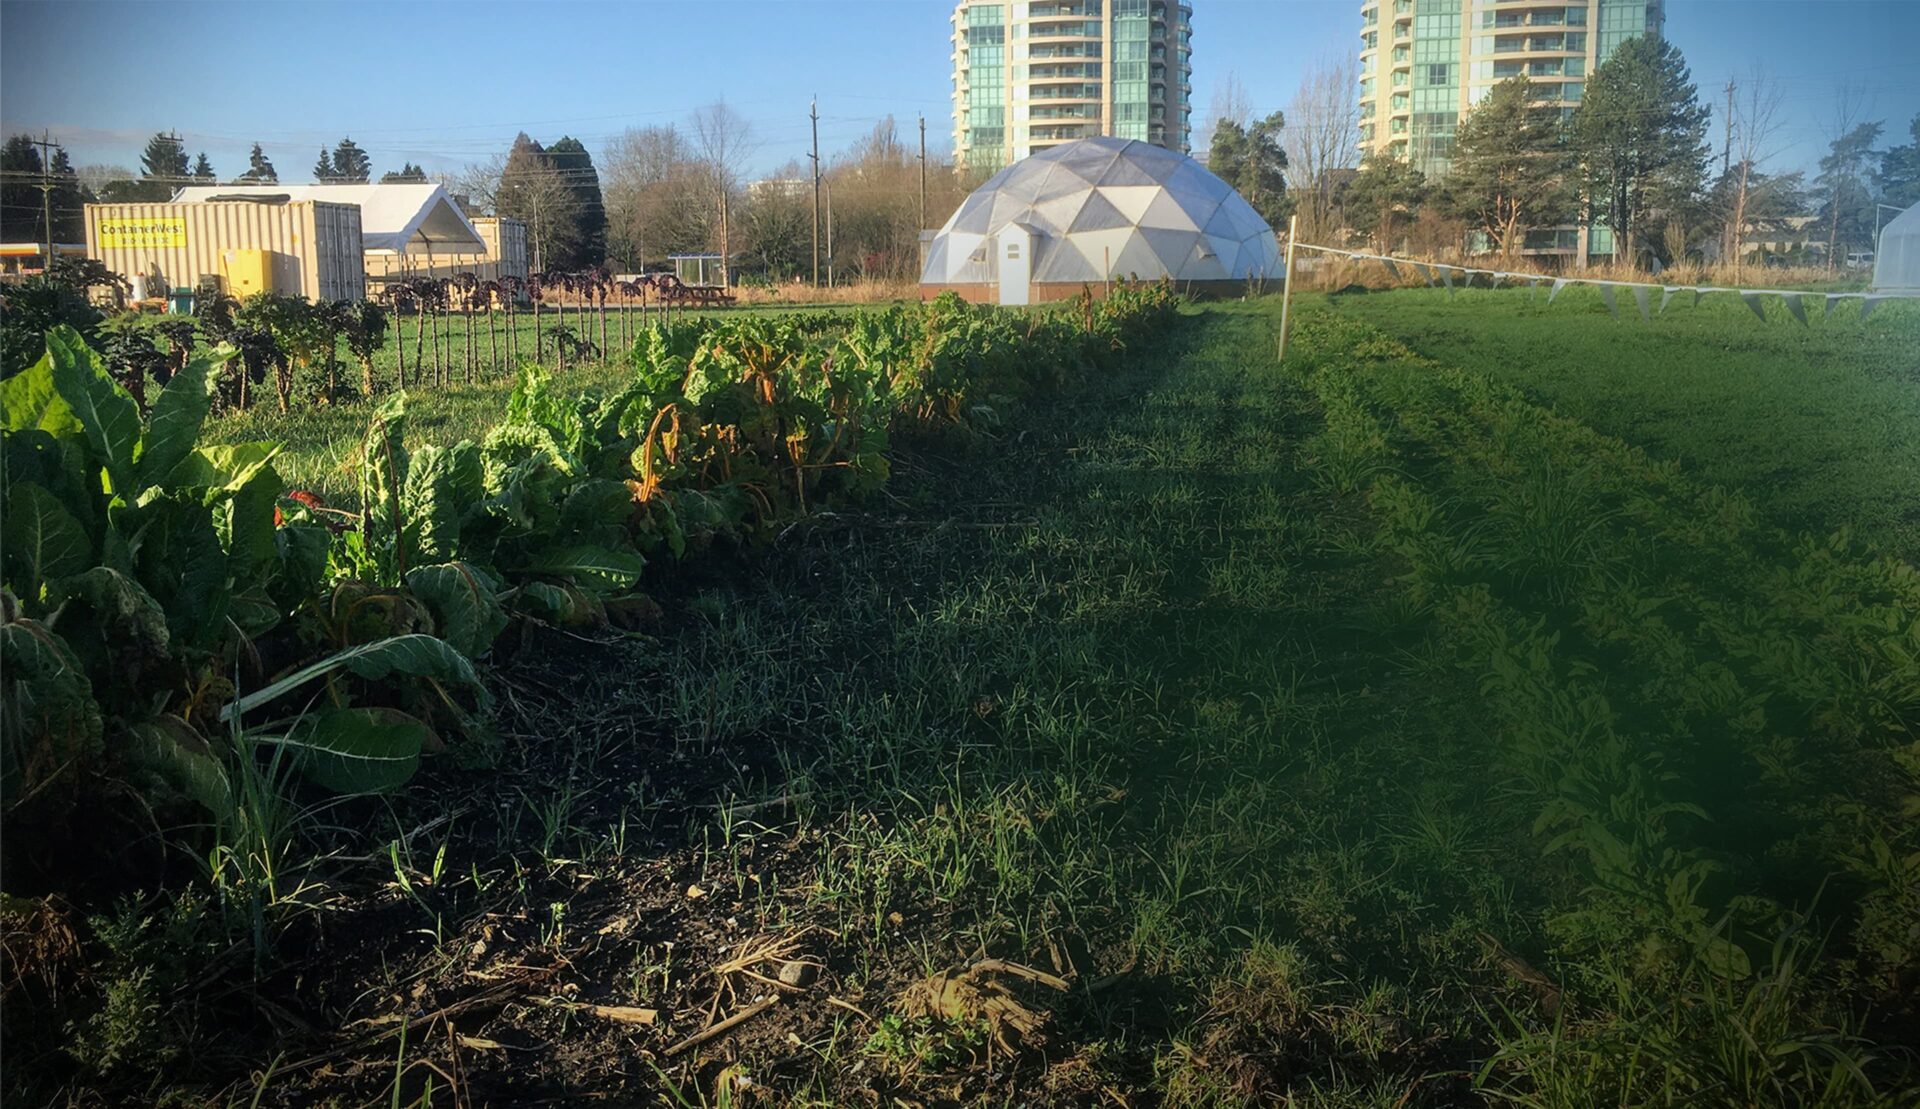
{"x": 1107, "y": 207}
{"x": 1896, "y": 261}
{"x": 395, "y": 218}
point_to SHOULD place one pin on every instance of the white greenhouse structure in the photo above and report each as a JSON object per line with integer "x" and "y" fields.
{"x": 1896, "y": 260}
{"x": 1086, "y": 212}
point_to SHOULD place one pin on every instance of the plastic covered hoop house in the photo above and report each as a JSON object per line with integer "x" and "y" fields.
{"x": 1896, "y": 262}
{"x": 1106, "y": 208}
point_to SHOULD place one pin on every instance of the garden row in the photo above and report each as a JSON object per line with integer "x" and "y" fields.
{"x": 461, "y": 327}
{"x": 181, "y": 630}
{"x": 1713, "y": 723}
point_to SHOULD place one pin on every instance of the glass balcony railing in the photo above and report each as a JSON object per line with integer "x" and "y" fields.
{"x": 1074, "y": 71}
{"x": 1064, "y": 50}
{"x": 1065, "y": 92}
{"x": 1067, "y": 112}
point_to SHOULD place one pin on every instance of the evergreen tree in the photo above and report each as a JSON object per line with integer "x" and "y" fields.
{"x": 1509, "y": 167}
{"x": 165, "y": 160}
{"x": 1227, "y": 149}
{"x": 202, "y": 169}
{"x": 259, "y": 167}
{"x": 569, "y": 158}
{"x": 1900, "y": 171}
{"x": 407, "y": 174}
{"x": 323, "y": 169}
{"x": 1384, "y": 196}
{"x": 350, "y": 163}
{"x": 1773, "y": 201}
{"x": 20, "y": 207}
{"x": 1847, "y": 203}
{"x": 532, "y": 191}
{"x": 70, "y": 199}
{"x": 1639, "y": 135}
{"x": 1252, "y": 160}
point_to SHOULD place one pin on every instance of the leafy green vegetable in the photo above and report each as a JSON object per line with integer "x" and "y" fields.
{"x": 360, "y": 750}
{"x": 463, "y": 599}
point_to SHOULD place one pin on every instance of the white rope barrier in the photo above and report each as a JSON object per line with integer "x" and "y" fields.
{"x": 1642, "y": 291}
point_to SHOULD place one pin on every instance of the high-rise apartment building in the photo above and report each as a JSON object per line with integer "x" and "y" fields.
{"x": 1425, "y": 63}
{"x": 1027, "y": 76}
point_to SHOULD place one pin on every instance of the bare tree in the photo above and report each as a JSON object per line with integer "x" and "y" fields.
{"x": 642, "y": 156}
{"x": 95, "y": 176}
{"x": 1752, "y": 126}
{"x": 875, "y": 205}
{"x": 479, "y": 182}
{"x": 724, "y": 141}
{"x": 654, "y": 194}
{"x": 1322, "y": 135}
{"x": 1230, "y": 103}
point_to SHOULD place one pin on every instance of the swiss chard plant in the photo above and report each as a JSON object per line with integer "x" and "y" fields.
{"x": 144, "y": 581}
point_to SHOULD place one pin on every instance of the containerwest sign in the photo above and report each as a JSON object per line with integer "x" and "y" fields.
{"x": 143, "y": 232}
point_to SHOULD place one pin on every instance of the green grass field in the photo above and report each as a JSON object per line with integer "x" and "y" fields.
{"x": 1816, "y": 423}
{"x": 1450, "y": 716}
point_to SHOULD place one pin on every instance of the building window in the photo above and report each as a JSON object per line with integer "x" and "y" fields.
{"x": 1439, "y": 75}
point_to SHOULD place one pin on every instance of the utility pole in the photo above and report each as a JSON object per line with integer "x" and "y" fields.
{"x": 813, "y": 114}
{"x": 1726, "y": 152}
{"x": 923, "y": 173}
{"x": 45, "y": 143}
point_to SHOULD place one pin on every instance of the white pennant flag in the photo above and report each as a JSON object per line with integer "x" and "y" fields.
{"x": 1426, "y": 272}
{"x": 1640, "y": 294}
{"x": 1497, "y": 279}
{"x": 1393, "y": 271}
{"x": 1696, "y": 297}
{"x": 1867, "y": 305}
{"x": 1559, "y": 283}
{"x": 1666, "y": 294}
{"x": 1446, "y": 275}
{"x": 1606, "y": 294}
{"x": 1826, "y": 304}
{"x": 1793, "y": 305}
{"x": 1753, "y": 301}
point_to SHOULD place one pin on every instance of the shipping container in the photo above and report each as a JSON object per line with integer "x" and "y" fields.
{"x": 304, "y": 248}
{"x": 506, "y": 256}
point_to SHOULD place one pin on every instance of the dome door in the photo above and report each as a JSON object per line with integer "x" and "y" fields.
{"x": 1013, "y": 246}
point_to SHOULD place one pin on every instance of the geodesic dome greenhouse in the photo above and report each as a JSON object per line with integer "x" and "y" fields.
{"x": 1103, "y": 208}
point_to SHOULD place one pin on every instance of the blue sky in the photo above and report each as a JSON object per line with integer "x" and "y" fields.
{"x": 445, "y": 85}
